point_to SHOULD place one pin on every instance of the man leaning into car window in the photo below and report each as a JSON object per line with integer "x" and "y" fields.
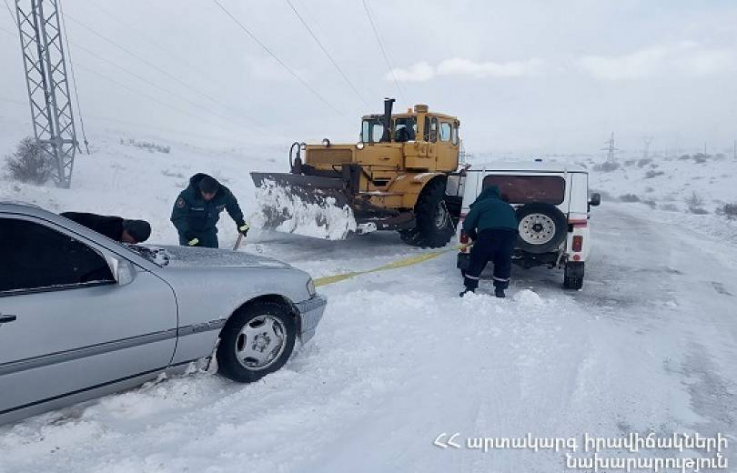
{"x": 492, "y": 225}
{"x": 116, "y": 228}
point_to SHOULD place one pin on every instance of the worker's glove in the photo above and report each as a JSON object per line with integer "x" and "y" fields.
{"x": 191, "y": 239}
{"x": 243, "y": 229}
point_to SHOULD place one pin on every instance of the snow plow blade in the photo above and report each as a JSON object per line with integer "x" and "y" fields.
{"x": 311, "y": 206}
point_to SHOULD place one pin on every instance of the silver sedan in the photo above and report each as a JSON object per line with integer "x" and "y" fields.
{"x": 82, "y": 316}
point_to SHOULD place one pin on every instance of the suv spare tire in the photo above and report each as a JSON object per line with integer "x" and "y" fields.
{"x": 542, "y": 228}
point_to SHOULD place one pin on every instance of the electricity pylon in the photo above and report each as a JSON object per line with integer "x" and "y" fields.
{"x": 48, "y": 87}
{"x": 610, "y": 149}
{"x": 646, "y": 152}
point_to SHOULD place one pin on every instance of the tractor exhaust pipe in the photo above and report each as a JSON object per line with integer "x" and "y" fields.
{"x": 386, "y": 137}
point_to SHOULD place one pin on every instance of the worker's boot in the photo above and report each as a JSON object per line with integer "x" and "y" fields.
{"x": 466, "y": 291}
{"x": 499, "y": 292}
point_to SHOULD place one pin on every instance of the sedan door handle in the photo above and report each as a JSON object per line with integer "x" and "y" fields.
{"x": 4, "y": 319}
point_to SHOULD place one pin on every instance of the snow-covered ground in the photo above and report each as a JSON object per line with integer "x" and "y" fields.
{"x": 647, "y": 346}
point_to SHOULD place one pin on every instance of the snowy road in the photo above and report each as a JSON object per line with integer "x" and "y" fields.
{"x": 648, "y": 346}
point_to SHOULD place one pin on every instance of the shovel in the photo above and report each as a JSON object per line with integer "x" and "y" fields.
{"x": 238, "y": 242}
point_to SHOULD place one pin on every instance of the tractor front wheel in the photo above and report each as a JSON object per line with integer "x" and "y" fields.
{"x": 434, "y": 227}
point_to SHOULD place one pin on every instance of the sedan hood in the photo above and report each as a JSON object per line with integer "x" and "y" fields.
{"x": 183, "y": 257}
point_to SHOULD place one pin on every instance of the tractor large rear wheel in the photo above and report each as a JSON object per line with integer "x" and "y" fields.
{"x": 434, "y": 227}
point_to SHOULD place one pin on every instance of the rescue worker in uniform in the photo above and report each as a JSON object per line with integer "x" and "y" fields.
{"x": 492, "y": 225}
{"x": 197, "y": 211}
{"x": 116, "y": 228}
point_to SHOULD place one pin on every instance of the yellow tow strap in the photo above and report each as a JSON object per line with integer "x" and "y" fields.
{"x": 403, "y": 263}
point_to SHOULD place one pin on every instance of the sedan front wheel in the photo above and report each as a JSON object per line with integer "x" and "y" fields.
{"x": 256, "y": 341}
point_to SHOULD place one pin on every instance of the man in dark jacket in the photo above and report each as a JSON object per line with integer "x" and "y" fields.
{"x": 116, "y": 228}
{"x": 492, "y": 225}
{"x": 197, "y": 211}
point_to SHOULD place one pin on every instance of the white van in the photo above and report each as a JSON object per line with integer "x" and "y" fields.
{"x": 552, "y": 204}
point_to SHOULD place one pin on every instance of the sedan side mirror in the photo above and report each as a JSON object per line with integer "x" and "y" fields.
{"x": 595, "y": 200}
{"x": 122, "y": 269}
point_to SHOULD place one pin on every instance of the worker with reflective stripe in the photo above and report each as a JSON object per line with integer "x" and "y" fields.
{"x": 492, "y": 225}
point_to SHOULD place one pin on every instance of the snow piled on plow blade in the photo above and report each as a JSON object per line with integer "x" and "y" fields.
{"x": 285, "y": 210}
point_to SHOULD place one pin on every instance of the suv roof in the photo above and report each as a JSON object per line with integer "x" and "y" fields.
{"x": 528, "y": 166}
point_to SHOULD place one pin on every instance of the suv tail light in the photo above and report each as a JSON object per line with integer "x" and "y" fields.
{"x": 577, "y": 243}
{"x": 578, "y": 222}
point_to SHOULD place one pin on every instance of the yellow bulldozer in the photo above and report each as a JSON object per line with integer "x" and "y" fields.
{"x": 394, "y": 178}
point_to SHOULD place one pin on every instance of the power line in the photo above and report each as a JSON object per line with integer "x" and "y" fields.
{"x": 143, "y": 125}
{"x": 141, "y": 94}
{"x": 17, "y": 102}
{"x": 74, "y": 79}
{"x": 337, "y": 67}
{"x": 276, "y": 58}
{"x": 156, "y": 86}
{"x": 149, "y": 63}
{"x": 182, "y": 59}
{"x": 10, "y": 10}
{"x": 383, "y": 51}
{"x": 153, "y": 99}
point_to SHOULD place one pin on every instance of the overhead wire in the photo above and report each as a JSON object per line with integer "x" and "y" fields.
{"x": 155, "y": 85}
{"x": 170, "y": 53}
{"x": 304, "y": 83}
{"x": 141, "y": 94}
{"x": 327, "y": 54}
{"x": 10, "y": 10}
{"x": 188, "y": 133}
{"x": 127, "y": 88}
{"x": 152, "y": 65}
{"x": 74, "y": 78}
{"x": 383, "y": 51}
{"x": 139, "y": 77}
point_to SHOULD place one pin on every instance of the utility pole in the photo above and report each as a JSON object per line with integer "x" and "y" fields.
{"x": 48, "y": 87}
{"x": 610, "y": 149}
{"x": 647, "y": 140}
{"x": 734, "y": 150}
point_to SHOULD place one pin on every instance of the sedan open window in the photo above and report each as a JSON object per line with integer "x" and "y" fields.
{"x": 37, "y": 258}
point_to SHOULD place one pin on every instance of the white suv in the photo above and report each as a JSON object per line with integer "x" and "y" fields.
{"x": 552, "y": 204}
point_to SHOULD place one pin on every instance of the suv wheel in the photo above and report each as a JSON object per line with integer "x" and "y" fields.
{"x": 542, "y": 228}
{"x": 256, "y": 341}
{"x": 573, "y": 275}
{"x": 434, "y": 226}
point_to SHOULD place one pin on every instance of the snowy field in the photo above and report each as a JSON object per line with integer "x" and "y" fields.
{"x": 647, "y": 346}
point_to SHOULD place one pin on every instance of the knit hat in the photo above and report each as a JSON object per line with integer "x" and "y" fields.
{"x": 138, "y": 229}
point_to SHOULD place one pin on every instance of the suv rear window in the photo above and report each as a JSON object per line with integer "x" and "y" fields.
{"x": 527, "y": 189}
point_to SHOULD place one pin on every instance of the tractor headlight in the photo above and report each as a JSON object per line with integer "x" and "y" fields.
{"x": 311, "y": 287}
{"x": 359, "y": 145}
{"x": 326, "y": 142}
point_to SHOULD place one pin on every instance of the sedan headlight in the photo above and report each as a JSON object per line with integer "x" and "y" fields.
{"x": 311, "y": 287}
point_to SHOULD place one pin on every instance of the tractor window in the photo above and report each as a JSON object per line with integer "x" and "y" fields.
{"x": 372, "y": 131}
{"x": 445, "y": 131}
{"x": 455, "y": 134}
{"x": 528, "y": 189}
{"x": 405, "y": 129}
{"x": 431, "y": 130}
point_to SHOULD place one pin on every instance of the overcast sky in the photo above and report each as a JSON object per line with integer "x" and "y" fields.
{"x": 527, "y": 76}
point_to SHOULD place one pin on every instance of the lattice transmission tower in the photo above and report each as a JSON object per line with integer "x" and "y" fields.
{"x": 610, "y": 149}
{"x": 48, "y": 88}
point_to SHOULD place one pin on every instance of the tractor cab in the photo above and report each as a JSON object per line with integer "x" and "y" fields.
{"x": 416, "y": 124}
